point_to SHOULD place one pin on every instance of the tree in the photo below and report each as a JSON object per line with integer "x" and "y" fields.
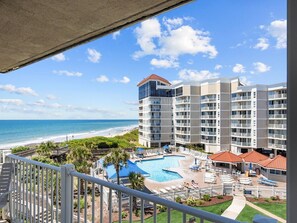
{"x": 118, "y": 158}
{"x": 137, "y": 183}
{"x": 80, "y": 157}
{"x": 45, "y": 149}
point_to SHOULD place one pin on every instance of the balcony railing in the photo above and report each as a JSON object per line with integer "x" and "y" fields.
{"x": 242, "y": 107}
{"x": 241, "y": 98}
{"x": 280, "y": 96}
{"x": 182, "y": 101}
{"x": 278, "y": 116}
{"x": 208, "y": 133}
{"x": 241, "y": 143}
{"x": 203, "y": 124}
{"x": 277, "y": 136}
{"x": 208, "y": 141}
{"x": 236, "y": 134}
{"x": 182, "y": 124}
{"x": 241, "y": 116}
{"x": 278, "y": 106}
{"x": 207, "y": 108}
{"x": 278, "y": 126}
{"x": 182, "y": 117}
{"x": 210, "y": 99}
{"x": 240, "y": 125}
{"x": 277, "y": 146}
{"x": 182, "y": 109}
{"x": 208, "y": 116}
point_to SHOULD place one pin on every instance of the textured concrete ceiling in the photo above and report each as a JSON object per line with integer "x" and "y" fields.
{"x": 33, "y": 30}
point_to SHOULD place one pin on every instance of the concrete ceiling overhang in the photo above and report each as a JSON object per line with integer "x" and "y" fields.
{"x": 36, "y": 29}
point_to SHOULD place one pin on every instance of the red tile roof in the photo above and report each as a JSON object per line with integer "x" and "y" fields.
{"x": 155, "y": 78}
{"x": 279, "y": 162}
{"x": 253, "y": 157}
{"x": 226, "y": 157}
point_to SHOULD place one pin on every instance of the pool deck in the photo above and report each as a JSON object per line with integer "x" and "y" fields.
{"x": 187, "y": 174}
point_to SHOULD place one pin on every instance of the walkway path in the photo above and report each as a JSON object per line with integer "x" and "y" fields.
{"x": 236, "y": 206}
{"x": 265, "y": 212}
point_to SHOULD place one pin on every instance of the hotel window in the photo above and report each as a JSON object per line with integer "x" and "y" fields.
{"x": 254, "y": 94}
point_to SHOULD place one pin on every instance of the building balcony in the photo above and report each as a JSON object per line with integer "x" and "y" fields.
{"x": 208, "y": 117}
{"x": 182, "y": 140}
{"x": 277, "y": 136}
{"x": 278, "y": 116}
{"x": 241, "y": 98}
{"x": 208, "y": 133}
{"x": 240, "y": 134}
{"x": 277, "y": 146}
{"x": 183, "y": 101}
{"x": 182, "y": 109}
{"x": 238, "y": 125}
{"x": 277, "y": 96}
{"x": 178, "y": 132}
{"x": 208, "y": 108}
{"x": 182, "y": 116}
{"x": 182, "y": 124}
{"x": 241, "y": 107}
{"x": 241, "y": 116}
{"x": 207, "y": 100}
{"x": 277, "y": 126}
{"x": 212, "y": 141}
{"x": 241, "y": 143}
{"x": 208, "y": 124}
{"x": 278, "y": 106}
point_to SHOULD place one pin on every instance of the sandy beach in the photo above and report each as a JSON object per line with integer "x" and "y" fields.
{"x": 117, "y": 131}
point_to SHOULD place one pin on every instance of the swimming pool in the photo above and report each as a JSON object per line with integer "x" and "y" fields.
{"x": 155, "y": 168}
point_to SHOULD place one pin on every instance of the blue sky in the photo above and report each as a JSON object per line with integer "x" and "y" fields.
{"x": 203, "y": 39}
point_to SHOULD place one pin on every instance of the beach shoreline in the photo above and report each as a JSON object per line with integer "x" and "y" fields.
{"x": 110, "y": 132}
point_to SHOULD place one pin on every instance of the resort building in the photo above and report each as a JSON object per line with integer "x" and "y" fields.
{"x": 221, "y": 114}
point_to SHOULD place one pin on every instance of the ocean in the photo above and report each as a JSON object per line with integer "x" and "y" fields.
{"x": 22, "y": 132}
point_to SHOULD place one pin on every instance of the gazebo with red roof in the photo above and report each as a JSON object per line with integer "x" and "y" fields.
{"x": 275, "y": 168}
{"x": 154, "y": 77}
{"x": 226, "y": 160}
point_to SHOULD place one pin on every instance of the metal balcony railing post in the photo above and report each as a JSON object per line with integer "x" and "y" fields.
{"x": 66, "y": 193}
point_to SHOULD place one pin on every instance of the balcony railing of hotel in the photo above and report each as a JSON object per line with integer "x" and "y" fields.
{"x": 182, "y": 116}
{"x": 246, "y": 107}
{"x": 152, "y": 116}
{"x": 182, "y": 132}
{"x": 241, "y": 116}
{"x": 180, "y": 139}
{"x": 241, "y": 98}
{"x": 241, "y": 143}
{"x": 46, "y": 193}
{"x": 183, "y": 109}
{"x": 278, "y": 106}
{"x": 208, "y": 116}
{"x": 281, "y": 126}
{"x": 240, "y": 125}
{"x": 208, "y": 99}
{"x": 182, "y": 101}
{"x": 207, "y": 124}
{"x": 207, "y": 108}
{"x": 281, "y": 96}
{"x": 244, "y": 134}
{"x": 278, "y": 116}
{"x": 208, "y": 140}
{"x": 182, "y": 124}
{"x": 208, "y": 133}
{"x": 278, "y": 136}
{"x": 277, "y": 146}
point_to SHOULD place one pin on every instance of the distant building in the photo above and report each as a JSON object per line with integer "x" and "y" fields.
{"x": 221, "y": 114}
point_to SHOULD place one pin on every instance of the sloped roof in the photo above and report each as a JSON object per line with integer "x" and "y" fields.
{"x": 279, "y": 162}
{"x": 33, "y": 30}
{"x": 253, "y": 157}
{"x": 226, "y": 157}
{"x": 154, "y": 77}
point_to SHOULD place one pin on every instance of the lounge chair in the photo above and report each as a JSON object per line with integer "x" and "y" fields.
{"x": 195, "y": 185}
{"x": 5, "y": 191}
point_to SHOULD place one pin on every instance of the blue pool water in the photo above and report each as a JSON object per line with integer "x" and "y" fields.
{"x": 154, "y": 168}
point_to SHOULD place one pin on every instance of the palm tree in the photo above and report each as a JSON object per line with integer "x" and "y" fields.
{"x": 80, "y": 157}
{"x": 137, "y": 183}
{"x": 118, "y": 158}
{"x": 45, "y": 149}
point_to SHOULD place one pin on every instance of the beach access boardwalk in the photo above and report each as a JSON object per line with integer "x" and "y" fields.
{"x": 237, "y": 205}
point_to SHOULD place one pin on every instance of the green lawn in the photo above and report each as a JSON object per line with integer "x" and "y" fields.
{"x": 275, "y": 208}
{"x": 177, "y": 216}
{"x": 247, "y": 214}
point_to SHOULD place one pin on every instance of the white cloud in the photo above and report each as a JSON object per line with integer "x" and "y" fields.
{"x": 93, "y": 55}
{"x": 68, "y": 73}
{"x": 172, "y": 23}
{"x": 218, "y": 67}
{"x": 262, "y": 44}
{"x": 12, "y": 101}
{"x": 175, "y": 82}
{"x": 22, "y": 90}
{"x": 238, "y": 68}
{"x": 164, "y": 63}
{"x": 261, "y": 67}
{"x": 116, "y": 34}
{"x": 278, "y": 30}
{"x": 51, "y": 97}
{"x": 102, "y": 78}
{"x": 124, "y": 80}
{"x": 148, "y": 30}
{"x": 174, "y": 42}
{"x": 59, "y": 57}
{"x": 244, "y": 80}
{"x": 194, "y": 75}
